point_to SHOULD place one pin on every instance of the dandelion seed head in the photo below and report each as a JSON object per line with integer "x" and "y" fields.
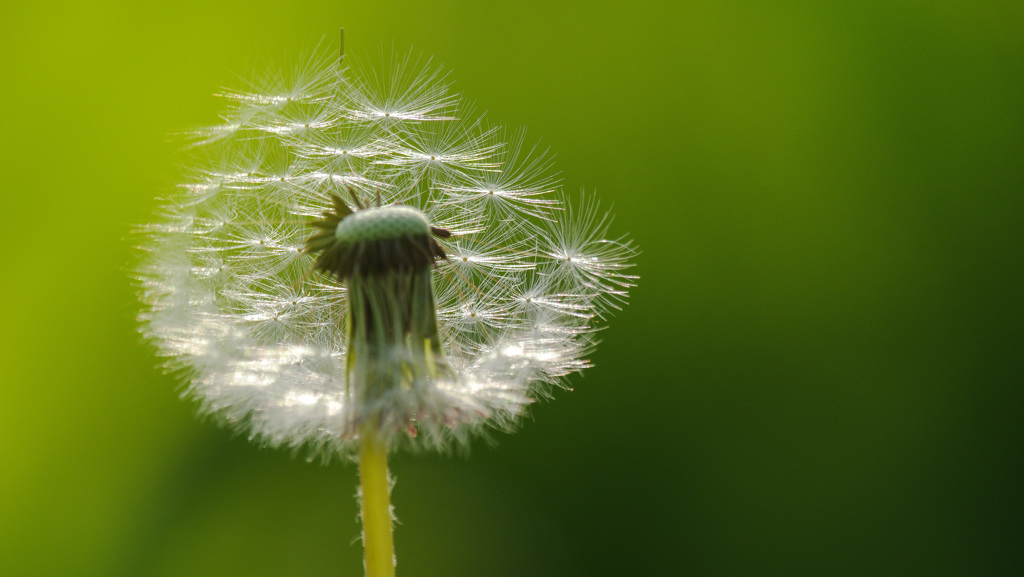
{"x": 355, "y": 245}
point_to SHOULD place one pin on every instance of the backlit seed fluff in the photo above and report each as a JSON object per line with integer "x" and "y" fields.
{"x": 359, "y": 248}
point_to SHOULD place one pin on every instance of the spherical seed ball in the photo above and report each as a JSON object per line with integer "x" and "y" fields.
{"x": 234, "y": 305}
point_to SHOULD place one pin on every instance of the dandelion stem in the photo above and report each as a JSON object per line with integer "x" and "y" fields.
{"x": 378, "y": 544}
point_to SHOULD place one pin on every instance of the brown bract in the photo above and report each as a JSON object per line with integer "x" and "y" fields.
{"x": 404, "y": 253}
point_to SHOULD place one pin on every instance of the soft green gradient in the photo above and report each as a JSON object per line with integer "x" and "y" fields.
{"x": 820, "y": 373}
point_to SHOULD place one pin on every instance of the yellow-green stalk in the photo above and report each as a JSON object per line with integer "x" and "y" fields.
{"x": 375, "y": 505}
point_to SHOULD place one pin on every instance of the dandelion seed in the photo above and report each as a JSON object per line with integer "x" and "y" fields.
{"x": 524, "y": 268}
{"x": 349, "y": 267}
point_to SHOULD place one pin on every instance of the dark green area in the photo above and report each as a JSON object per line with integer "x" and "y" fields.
{"x": 819, "y": 374}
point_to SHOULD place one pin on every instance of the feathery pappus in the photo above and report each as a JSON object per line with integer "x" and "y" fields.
{"x": 355, "y": 245}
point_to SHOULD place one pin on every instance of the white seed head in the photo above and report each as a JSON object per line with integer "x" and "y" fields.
{"x": 351, "y": 248}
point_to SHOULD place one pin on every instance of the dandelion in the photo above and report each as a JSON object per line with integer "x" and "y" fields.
{"x": 356, "y": 264}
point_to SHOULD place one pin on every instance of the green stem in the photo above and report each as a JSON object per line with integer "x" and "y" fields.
{"x": 378, "y": 544}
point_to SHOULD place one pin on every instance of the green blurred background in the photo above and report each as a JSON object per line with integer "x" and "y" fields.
{"x": 819, "y": 374}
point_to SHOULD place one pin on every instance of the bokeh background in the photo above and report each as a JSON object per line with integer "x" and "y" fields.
{"x": 819, "y": 374}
